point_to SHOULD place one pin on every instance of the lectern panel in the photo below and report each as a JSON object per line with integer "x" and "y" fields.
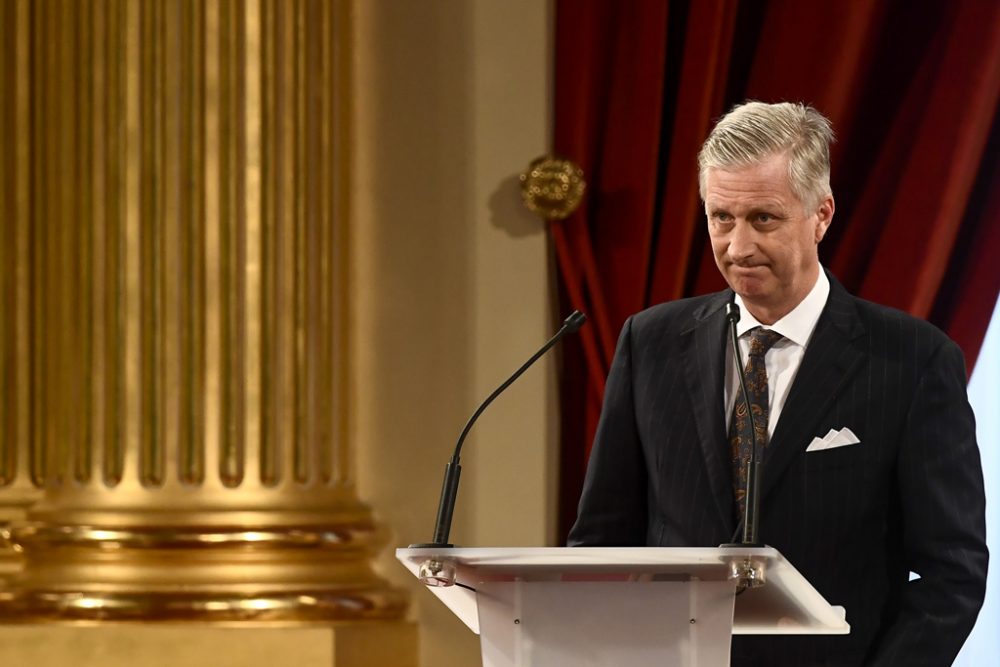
{"x": 592, "y": 624}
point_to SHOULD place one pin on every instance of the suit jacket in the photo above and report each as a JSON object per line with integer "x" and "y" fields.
{"x": 854, "y": 520}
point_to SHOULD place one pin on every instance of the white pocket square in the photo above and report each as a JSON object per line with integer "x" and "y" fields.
{"x": 833, "y": 439}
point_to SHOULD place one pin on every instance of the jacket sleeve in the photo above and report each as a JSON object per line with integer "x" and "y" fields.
{"x": 941, "y": 496}
{"x": 612, "y": 510}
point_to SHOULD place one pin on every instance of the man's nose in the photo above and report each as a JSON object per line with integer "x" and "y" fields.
{"x": 742, "y": 241}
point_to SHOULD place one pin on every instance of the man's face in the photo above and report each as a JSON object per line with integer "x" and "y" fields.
{"x": 764, "y": 240}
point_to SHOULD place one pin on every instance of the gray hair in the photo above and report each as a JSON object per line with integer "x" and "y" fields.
{"x": 754, "y": 131}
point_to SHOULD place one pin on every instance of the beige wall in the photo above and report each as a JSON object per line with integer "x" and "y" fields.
{"x": 452, "y": 279}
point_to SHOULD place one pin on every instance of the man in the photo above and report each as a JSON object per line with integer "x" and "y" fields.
{"x": 904, "y": 490}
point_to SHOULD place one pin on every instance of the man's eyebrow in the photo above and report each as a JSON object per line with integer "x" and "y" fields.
{"x": 755, "y": 207}
{"x": 772, "y": 209}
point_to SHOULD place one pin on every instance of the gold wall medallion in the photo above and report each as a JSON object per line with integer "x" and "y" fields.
{"x": 552, "y": 187}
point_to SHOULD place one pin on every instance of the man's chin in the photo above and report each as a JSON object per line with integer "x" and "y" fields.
{"x": 751, "y": 288}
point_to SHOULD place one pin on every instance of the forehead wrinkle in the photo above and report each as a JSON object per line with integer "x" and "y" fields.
{"x": 737, "y": 190}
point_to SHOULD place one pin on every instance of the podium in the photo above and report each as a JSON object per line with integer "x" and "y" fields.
{"x": 542, "y": 607}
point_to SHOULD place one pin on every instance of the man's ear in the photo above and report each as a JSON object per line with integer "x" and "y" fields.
{"x": 824, "y": 216}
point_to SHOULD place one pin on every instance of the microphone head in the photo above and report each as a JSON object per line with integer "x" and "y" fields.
{"x": 575, "y": 320}
{"x": 732, "y": 312}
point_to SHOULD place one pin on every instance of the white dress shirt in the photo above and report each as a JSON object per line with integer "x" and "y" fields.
{"x": 782, "y": 360}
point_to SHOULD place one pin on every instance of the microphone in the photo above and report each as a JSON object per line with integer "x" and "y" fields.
{"x": 436, "y": 575}
{"x": 752, "y": 506}
{"x": 746, "y": 572}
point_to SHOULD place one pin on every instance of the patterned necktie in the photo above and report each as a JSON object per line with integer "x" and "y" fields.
{"x": 740, "y": 436}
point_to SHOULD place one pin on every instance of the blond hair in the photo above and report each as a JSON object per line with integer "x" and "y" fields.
{"x": 754, "y": 131}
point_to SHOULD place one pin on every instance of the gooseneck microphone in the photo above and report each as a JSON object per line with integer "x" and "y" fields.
{"x": 752, "y": 506}
{"x": 453, "y": 470}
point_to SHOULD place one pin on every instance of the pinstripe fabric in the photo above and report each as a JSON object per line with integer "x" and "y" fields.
{"x": 854, "y": 520}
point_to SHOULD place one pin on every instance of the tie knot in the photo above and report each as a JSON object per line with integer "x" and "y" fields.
{"x": 761, "y": 340}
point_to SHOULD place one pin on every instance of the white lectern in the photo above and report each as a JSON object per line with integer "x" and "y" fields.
{"x": 626, "y": 607}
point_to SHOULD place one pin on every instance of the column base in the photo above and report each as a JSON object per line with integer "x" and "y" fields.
{"x": 198, "y": 574}
{"x": 14, "y": 504}
{"x": 10, "y": 558}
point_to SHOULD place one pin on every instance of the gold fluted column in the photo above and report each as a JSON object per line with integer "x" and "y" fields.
{"x": 174, "y": 313}
{"x": 19, "y": 483}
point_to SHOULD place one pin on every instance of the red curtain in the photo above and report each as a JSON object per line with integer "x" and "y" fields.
{"x": 912, "y": 90}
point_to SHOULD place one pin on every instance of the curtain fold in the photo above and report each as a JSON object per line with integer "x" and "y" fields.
{"x": 699, "y": 93}
{"x": 912, "y": 91}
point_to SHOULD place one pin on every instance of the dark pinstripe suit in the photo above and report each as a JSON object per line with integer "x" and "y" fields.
{"x": 854, "y": 520}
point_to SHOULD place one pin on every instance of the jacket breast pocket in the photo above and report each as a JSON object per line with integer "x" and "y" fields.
{"x": 847, "y": 456}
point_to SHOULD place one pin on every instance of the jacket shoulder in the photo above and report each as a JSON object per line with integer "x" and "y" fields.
{"x": 893, "y": 324}
{"x": 675, "y": 317}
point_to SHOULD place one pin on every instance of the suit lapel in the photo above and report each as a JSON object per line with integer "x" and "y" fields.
{"x": 704, "y": 366}
{"x": 833, "y": 356}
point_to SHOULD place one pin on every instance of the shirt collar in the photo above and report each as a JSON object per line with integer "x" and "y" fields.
{"x": 797, "y": 326}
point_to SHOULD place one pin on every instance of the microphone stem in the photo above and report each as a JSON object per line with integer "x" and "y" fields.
{"x": 446, "y": 506}
{"x": 499, "y": 390}
{"x": 453, "y": 470}
{"x": 753, "y": 466}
